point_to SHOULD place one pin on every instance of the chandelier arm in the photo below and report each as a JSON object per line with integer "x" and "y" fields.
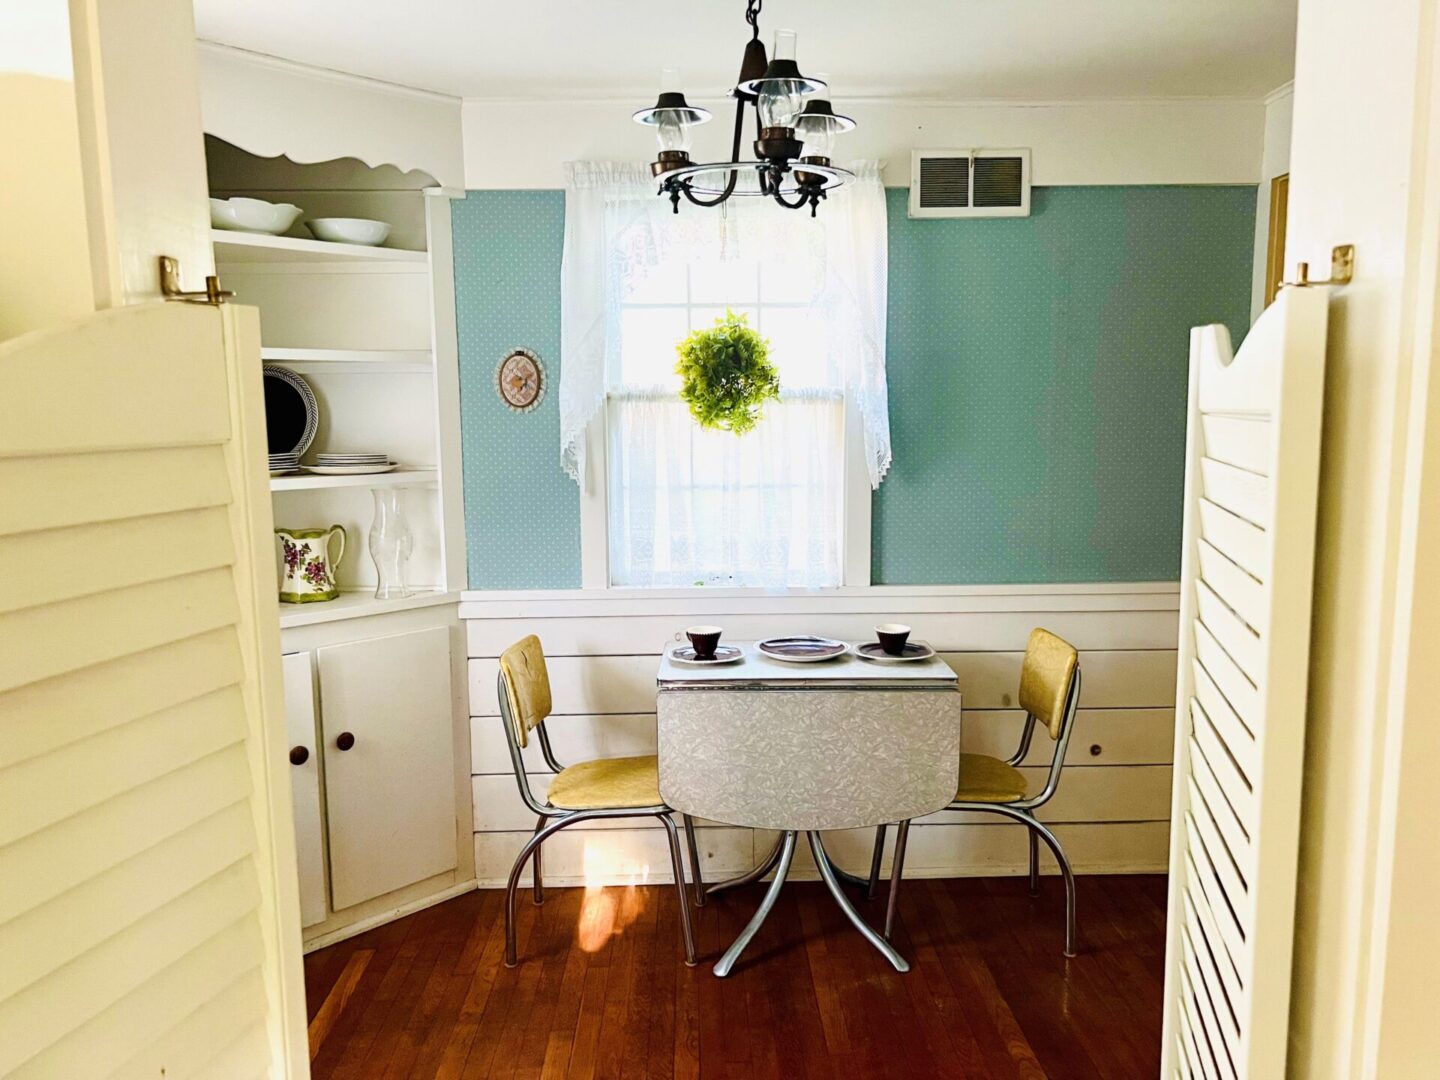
{"x": 804, "y": 198}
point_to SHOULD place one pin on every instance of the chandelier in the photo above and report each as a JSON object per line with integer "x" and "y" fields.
{"x": 795, "y": 129}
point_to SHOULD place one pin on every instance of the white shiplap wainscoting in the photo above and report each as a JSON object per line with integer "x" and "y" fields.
{"x": 603, "y": 648}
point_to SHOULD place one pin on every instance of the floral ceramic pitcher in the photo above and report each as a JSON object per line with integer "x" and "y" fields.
{"x": 309, "y": 573}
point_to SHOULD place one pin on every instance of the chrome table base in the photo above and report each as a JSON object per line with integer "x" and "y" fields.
{"x": 779, "y": 859}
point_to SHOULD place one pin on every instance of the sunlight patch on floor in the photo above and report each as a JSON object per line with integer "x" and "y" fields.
{"x": 607, "y": 911}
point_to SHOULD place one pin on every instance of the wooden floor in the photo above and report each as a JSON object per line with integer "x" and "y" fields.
{"x": 601, "y": 989}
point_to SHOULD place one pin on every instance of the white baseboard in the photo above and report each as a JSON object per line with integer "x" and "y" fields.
{"x": 388, "y": 916}
{"x": 931, "y": 873}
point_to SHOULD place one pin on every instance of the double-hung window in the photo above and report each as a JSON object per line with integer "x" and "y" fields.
{"x": 689, "y": 506}
{"x": 784, "y": 505}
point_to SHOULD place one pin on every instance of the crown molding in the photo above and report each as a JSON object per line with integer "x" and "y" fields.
{"x": 328, "y": 74}
{"x": 629, "y": 102}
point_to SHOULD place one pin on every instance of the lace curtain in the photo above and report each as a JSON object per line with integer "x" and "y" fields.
{"x": 617, "y": 228}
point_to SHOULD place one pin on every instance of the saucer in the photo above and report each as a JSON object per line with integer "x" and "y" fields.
{"x": 914, "y": 650}
{"x": 724, "y": 654}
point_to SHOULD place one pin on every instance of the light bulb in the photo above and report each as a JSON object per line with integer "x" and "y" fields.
{"x": 819, "y": 141}
{"x": 779, "y": 102}
{"x": 670, "y": 133}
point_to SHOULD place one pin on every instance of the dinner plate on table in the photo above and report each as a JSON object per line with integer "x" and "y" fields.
{"x": 803, "y": 648}
{"x": 724, "y": 654}
{"x": 914, "y": 650}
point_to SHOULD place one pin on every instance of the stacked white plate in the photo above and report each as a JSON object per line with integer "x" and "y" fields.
{"x": 284, "y": 463}
{"x": 335, "y": 464}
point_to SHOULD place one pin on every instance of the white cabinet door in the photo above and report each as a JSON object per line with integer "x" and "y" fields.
{"x": 299, "y": 675}
{"x": 389, "y": 762}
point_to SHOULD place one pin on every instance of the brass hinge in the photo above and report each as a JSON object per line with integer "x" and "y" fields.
{"x": 1342, "y": 269}
{"x": 170, "y": 286}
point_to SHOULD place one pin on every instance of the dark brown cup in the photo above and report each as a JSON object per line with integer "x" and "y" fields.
{"x": 705, "y": 640}
{"x": 892, "y": 637}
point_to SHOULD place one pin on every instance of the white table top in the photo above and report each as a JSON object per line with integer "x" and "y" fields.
{"x": 756, "y": 667}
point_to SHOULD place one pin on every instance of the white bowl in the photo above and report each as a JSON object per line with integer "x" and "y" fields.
{"x": 349, "y": 230}
{"x": 252, "y": 215}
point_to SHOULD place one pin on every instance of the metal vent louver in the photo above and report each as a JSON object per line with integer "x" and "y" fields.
{"x": 969, "y": 183}
{"x": 944, "y": 182}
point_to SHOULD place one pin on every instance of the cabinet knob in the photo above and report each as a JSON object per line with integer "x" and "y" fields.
{"x": 1095, "y": 749}
{"x": 345, "y": 740}
{"x": 299, "y": 755}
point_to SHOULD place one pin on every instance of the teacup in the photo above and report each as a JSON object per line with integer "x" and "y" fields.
{"x": 705, "y": 640}
{"x": 892, "y": 637}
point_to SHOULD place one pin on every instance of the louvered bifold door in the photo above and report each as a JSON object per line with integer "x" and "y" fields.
{"x": 1252, "y": 469}
{"x": 142, "y": 895}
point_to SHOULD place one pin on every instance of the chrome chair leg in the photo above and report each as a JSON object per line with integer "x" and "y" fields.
{"x": 531, "y": 846}
{"x": 694, "y": 860}
{"x": 678, "y": 863}
{"x": 537, "y": 872}
{"x": 1034, "y": 862}
{"x": 786, "y": 849}
{"x": 753, "y": 875}
{"x": 875, "y": 857}
{"x": 1055, "y": 849}
{"x": 897, "y": 868}
{"x": 817, "y": 847}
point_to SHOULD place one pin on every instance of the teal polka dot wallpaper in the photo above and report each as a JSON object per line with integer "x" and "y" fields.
{"x": 1038, "y": 375}
{"x": 1037, "y": 371}
{"x": 522, "y": 513}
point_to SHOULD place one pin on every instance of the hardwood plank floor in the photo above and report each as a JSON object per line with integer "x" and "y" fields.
{"x": 601, "y": 990}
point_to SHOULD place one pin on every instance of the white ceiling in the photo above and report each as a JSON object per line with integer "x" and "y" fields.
{"x": 963, "y": 50}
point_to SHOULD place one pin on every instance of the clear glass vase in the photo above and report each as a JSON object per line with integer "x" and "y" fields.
{"x": 390, "y": 544}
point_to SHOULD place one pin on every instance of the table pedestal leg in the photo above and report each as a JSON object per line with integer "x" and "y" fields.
{"x": 845, "y": 876}
{"x": 786, "y": 849}
{"x": 827, "y": 872}
{"x": 751, "y": 876}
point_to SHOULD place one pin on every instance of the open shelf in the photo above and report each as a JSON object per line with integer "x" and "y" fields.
{"x": 354, "y": 356}
{"x": 398, "y": 478}
{"x": 236, "y": 247}
{"x": 354, "y": 605}
{"x": 352, "y": 361}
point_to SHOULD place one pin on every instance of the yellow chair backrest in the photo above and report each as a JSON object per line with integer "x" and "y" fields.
{"x": 527, "y": 685}
{"x": 1045, "y": 678}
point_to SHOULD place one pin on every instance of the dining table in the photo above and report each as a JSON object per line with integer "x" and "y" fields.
{"x": 846, "y": 743}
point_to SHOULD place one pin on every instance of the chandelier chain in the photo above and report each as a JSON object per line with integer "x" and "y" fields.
{"x": 752, "y": 16}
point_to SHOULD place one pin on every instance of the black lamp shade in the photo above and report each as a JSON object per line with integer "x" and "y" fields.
{"x": 672, "y": 104}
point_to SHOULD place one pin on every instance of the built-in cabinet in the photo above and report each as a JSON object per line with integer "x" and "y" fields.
{"x": 372, "y": 756}
{"x": 379, "y": 740}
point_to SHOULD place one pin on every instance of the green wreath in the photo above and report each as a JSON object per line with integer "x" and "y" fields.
{"x": 727, "y": 375}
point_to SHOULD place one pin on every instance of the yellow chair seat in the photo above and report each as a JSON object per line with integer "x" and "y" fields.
{"x": 607, "y": 784}
{"x": 986, "y": 779}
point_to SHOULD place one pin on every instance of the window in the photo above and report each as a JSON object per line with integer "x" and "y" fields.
{"x": 688, "y": 506}
{"x": 785, "y": 505}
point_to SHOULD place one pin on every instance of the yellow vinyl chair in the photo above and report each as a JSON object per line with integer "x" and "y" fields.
{"x": 605, "y": 788}
{"x": 1049, "y": 694}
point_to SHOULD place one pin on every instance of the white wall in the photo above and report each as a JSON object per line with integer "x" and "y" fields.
{"x": 1111, "y": 811}
{"x": 513, "y": 144}
{"x": 1274, "y": 161}
{"x": 1364, "y": 96}
{"x": 272, "y": 107}
{"x": 45, "y": 256}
